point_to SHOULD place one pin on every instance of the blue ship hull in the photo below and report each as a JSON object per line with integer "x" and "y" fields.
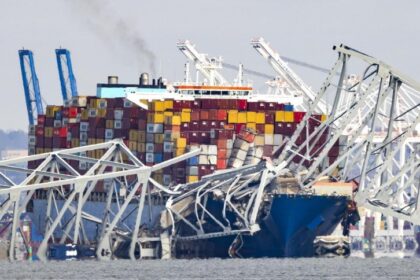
{"x": 287, "y": 230}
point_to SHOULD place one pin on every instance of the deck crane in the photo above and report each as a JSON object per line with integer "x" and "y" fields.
{"x": 295, "y": 84}
{"x": 30, "y": 86}
{"x": 65, "y": 72}
{"x": 206, "y": 66}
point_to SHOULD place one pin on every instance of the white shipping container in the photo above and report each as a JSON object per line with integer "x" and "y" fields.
{"x": 236, "y": 163}
{"x": 204, "y": 149}
{"x": 268, "y": 139}
{"x": 83, "y": 137}
{"x": 241, "y": 144}
{"x": 57, "y": 123}
{"x": 118, "y": 114}
{"x": 212, "y": 159}
{"x": 229, "y": 144}
{"x": 117, "y": 124}
{"x": 92, "y": 112}
{"x": 212, "y": 150}
{"x": 167, "y": 147}
{"x": 127, "y": 103}
{"x": 167, "y": 136}
{"x": 109, "y": 133}
{"x": 239, "y": 154}
{"x": 154, "y": 128}
{"x": 203, "y": 159}
{"x": 278, "y": 139}
{"x": 84, "y": 126}
{"x": 150, "y": 148}
{"x": 167, "y": 179}
{"x": 192, "y": 170}
{"x": 150, "y": 157}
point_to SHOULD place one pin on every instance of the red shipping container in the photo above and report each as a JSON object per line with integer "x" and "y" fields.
{"x": 194, "y": 138}
{"x": 214, "y": 124}
{"x": 270, "y": 106}
{"x": 221, "y": 115}
{"x": 269, "y": 117}
{"x": 221, "y": 143}
{"x": 298, "y": 116}
{"x": 221, "y": 153}
{"x": 48, "y": 142}
{"x": 204, "y": 126}
{"x": 49, "y": 121}
{"x": 39, "y": 130}
{"x": 223, "y": 104}
{"x": 221, "y": 164}
{"x": 39, "y": 141}
{"x": 195, "y": 115}
{"x": 208, "y": 104}
{"x": 204, "y": 115}
{"x": 260, "y": 128}
{"x": 229, "y": 126}
{"x": 65, "y": 112}
{"x": 280, "y": 106}
{"x": 213, "y": 115}
{"x": 141, "y": 124}
{"x": 246, "y": 136}
{"x": 267, "y": 150}
{"x": 204, "y": 137}
{"x": 253, "y": 106}
{"x": 185, "y": 127}
{"x": 41, "y": 120}
{"x": 239, "y": 127}
{"x": 100, "y": 133}
{"x": 177, "y": 105}
{"x": 109, "y": 114}
{"x": 60, "y": 132}
{"x": 261, "y": 106}
{"x": 194, "y": 126}
{"x": 196, "y": 104}
{"x": 118, "y": 133}
{"x": 73, "y": 111}
{"x": 242, "y": 104}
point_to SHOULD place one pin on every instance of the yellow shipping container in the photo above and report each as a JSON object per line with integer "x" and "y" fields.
{"x": 141, "y": 147}
{"x": 109, "y": 124}
{"x": 323, "y": 118}
{"x": 99, "y": 153}
{"x": 159, "y": 138}
{"x": 175, "y": 135}
{"x": 132, "y": 145}
{"x": 169, "y": 104}
{"x": 91, "y": 141}
{"x": 242, "y": 117}
{"x": 289, "y": 116}
{"x": 75, "y": 142}
{"x": 168, "y": 113}
{"x": 260, "y": 118}
{"x": 158, "y": 106}
{"x": 179, "y": 152}
{"x": 48, "y": 132}
{"x": 279, "y": 116}
{"x": 192, "y": 179}
{"x": 133, "y": 135}
{"x": 176, "y": 120}
{"x": 181, "y": 142}
{"x": 84, "y": 115}
{"x": 259, "y": 140}
{"x": 252, "y": 126}
{"x": 158, "y": 118}
{"x": 141, "y": 136}
{"x": 251, "y": 116}
{"x": 168, "y": 120}
{"x": 269, "y": 129}
{"x": 39, "y": 150}
{"x": 233, "y": 116}
{"x": 101, "y": 113}
{"x": 185, "y": 116}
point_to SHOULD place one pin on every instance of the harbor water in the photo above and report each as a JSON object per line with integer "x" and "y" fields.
{"x": 304, "y": 268}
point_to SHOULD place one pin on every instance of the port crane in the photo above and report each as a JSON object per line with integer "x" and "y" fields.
{"x": 208, "y": 67}
{"x": 31, "y": 89}
{"x": 288, "y": 82}
{"x": 65, "y": 72}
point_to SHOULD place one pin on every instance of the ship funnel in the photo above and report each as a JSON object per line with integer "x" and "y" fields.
{"x": 112, "y": 80}
{"x": 144, "y": 79}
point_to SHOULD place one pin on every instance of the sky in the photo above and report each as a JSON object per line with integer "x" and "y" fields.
{"x": 128, "y": 37}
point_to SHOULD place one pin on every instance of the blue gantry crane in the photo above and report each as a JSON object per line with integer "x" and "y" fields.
{"x": 65, "y": 72}
{"x": 30, "y": 85}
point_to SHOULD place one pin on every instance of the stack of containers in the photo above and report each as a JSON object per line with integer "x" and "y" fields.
{"x": 169, "y": 128}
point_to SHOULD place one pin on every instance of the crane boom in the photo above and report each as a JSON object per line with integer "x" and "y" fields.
{"x": 30, "y": 85}
{"x": 208, "y": 67}
{"x": 65, "y": 72}
{"x": 285, "y": 73}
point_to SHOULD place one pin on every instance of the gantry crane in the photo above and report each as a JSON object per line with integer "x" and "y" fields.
{"x": 295, "y": 85}
{"x": 30, "y": 86}
{"x": 207, "y": 66}
{"x": 65, "y": 72}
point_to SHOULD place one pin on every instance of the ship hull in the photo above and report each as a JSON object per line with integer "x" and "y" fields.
{"x": 288, "y": 230}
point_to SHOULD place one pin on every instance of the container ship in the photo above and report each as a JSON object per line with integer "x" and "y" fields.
{"x": 159, "y": 122}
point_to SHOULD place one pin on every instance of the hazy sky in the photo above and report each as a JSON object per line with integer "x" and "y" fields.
{"x": 127, "y": 37}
